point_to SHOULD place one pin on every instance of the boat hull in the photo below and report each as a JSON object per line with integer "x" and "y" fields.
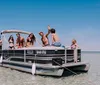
{"x": 48, "y": 69}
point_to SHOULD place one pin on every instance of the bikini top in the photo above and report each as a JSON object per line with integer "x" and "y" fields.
{"x": 10, "y": 41}
{"x": 29, "y": 40}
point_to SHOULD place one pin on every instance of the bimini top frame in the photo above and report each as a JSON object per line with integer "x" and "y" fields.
{"x": 15, "y": 31}
{"x": 3, "y": 38}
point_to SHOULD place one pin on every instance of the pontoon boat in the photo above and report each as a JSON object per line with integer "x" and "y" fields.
{"x": 49, "y": 60}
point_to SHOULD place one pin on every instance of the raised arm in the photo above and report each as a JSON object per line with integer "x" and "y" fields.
{"x": 48, "y": 31}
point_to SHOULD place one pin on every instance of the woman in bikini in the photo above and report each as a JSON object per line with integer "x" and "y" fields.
{"x": 11, "y": 42}
{"x": 30, "y": 40}
{"x": 74, "y": 44}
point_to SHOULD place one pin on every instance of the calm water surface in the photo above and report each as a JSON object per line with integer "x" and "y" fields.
{"x": 13, "y": 77}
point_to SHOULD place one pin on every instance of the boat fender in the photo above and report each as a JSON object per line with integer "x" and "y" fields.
{"x": 1, "y": 58}
{"x": 33, "y": 68}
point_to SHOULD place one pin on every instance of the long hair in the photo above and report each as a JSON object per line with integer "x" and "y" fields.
{"x": 33, "y": 38}
{"x": 11, "y": 38}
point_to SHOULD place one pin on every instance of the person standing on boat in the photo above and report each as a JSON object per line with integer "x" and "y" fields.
{"x": 20, "y": 42}
{"x": 30, "y": 40}
{"x": 44, "y": 38}
{"x": 74, "y": 44}
{"x": 55, "y": 38}
{"x": 11, "y": 42}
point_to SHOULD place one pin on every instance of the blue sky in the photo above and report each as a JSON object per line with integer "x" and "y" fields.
{"x": 79, "y": 19}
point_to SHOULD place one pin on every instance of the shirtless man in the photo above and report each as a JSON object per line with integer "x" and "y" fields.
{"x": 20, "y": 42}
{"x": 44, "y": 38}
{"x": 55, "y": 38}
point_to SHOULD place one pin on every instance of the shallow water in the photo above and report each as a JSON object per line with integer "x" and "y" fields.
{"x": 13, "y": 77}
